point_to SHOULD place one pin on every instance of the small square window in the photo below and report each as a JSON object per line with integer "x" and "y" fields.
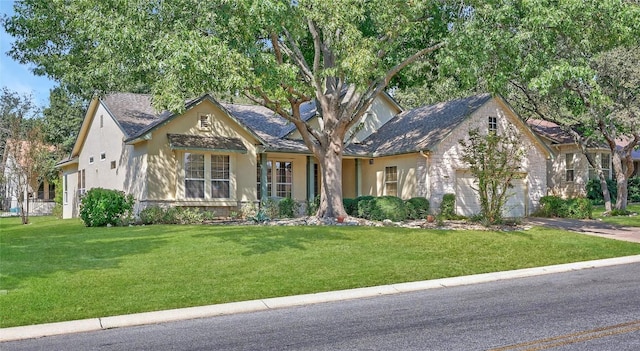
{"x": 113, "y": 164}
{"x": 103, "y": 156}
{"x": 90, "y": 159}
{"x": 493, "y": 124}
{"x": 204, "y": 122}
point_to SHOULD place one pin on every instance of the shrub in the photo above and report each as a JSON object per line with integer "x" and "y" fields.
{"x": 617, "y": 212}
{"x": 448, "y": 207}
{"x": 287, "y": 208}
{"x": 554, "y": 206}
{"x": 417, "y": 208}
{"x": 100, "y": 207}
{"x": 579, "y": 208}
{"x": 381, "y": 208}
{"x": 313, "y": 206}
{"x": 356, "y": 206}
{"x": 270, "y": 208}
{"x": 174, "y": 215}
{"x": 633, "y": 188}
{"x": 248, "y": 209}
{"x": 350, "y": 206}
{"x": 152, "y": 215}
{"x": 594, "y": 191}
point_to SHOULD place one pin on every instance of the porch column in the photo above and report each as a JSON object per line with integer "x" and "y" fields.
{"x": 310, "y": 174}
{"x": 358, "y": 177}
{"x": 263, "y": 178}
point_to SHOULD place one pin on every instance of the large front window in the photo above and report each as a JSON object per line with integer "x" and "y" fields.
{"x": 220, "y": 176}
{"x": 194, "y": 176}
{"x": 279, "y": 179}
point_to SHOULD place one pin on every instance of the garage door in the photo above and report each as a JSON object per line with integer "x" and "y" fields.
{"x": 468, "y": 204}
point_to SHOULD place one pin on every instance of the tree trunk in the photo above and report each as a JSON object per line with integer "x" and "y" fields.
{"x": 622, "y": 172}
{"x": 331, "y": 205}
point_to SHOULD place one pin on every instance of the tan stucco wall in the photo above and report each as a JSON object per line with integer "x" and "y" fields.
{"x": 349, "y": 178}
{"x": 445, "y": 159}
{"x": 166, "y": 172}
{"x": 373, "y": 175}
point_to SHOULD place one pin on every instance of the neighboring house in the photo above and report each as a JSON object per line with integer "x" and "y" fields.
{"x": 219, "y": 156}
{"x": 40, "y": 194}
{"x": 569, "y": 172}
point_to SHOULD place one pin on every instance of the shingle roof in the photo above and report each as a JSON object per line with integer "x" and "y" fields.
{"x": 197, "y": 142}
{"x": 550, "y": 131}
{"x": 133, "y": 112}
{"x": 422, "y": 128}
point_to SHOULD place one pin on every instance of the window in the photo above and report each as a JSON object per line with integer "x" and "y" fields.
{"x": 194, "y": 175}
{"x": 103, "y": 156}
{"x": 283, "y": 173}
{"x": 41, "y": 191}
{"x": 90, "y": 160}
{"x": 284, "y": 178}
{"x": 52, "y": 191}
{"x": 65, "y": 189}
{"x": 204, "y": 122}
{"x": 569, "y": 171}
{"x": 220, "y": 176}
{"x": 493, "y": 124}
{"x": 605, "y": 165}
{"x": 81, "y": 183}
{"x": 391, "y": 181}
{"x": 113, "y": 164}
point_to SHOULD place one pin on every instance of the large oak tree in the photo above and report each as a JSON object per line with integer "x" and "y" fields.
{"x": 279, "y": 54}
{"x": 572, "y": 62}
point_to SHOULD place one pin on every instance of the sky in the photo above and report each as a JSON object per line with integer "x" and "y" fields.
{"x": 17, "y": 77}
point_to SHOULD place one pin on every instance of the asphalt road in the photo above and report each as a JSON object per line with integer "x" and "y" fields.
{"x": 593, "y": 309}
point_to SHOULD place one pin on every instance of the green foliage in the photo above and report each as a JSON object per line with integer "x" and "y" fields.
{"x": 100, "y": 207}
{"x": 617, "y": 212}
{"x": 495, "y": 160}
{"x": 594, "y": 190}
{"x": 381, "y": 208}
{"x": 555, "y": 206}
{"x": 287, "y": 208}
{"x": 62, "y": 119}
{"x": 174, "y": 215}
{"x": 260, "y": 217}
{"x": 350, "y": 206}
{"x": 269, "y": 208}
{"x": 417, "y": 208}
{"x": 248, "y": 209}
{"x": 448, "y": 207}
{"x": 633, "y": 188}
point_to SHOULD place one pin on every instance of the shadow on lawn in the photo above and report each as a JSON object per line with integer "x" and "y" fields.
{"x": 261, "y": 240}
{"x": 42, "y": 250}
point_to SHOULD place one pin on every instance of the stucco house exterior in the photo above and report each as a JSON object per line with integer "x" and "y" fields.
{"x": 218, "y": 156}
{"x": 569, "y": 170}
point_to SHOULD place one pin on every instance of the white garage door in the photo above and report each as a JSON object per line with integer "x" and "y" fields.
{"x": 468, "y": 203}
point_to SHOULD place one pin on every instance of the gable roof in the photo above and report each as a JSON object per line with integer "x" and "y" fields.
{"x": 422, "y": 128}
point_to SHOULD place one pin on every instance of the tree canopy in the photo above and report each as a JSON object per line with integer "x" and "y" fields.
{"x": 563, "y": 61}
{"x": 277, "y": 53}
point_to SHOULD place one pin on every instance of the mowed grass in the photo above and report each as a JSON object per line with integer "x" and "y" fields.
{"x": 628, "y": 221}
{"x": 56, "y": 270}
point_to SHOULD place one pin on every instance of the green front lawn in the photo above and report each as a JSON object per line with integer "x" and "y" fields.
{"x": 628, "y": 221}
{"x": 56, "y": 270}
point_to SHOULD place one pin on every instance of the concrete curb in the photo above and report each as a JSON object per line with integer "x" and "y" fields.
{"x": 95, "y": 324}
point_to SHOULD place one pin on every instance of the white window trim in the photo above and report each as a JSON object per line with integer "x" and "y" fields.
{"x": 207, "y": 178}
{"x": 387, "y": 181}
{"x": 103, "y": 156}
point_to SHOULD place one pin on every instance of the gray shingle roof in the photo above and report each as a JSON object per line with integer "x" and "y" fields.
{"x": 410, "y": 131}
{"x": 422, "y": 128}
{"x": 133, "y": 112}
{"x": 550, "y": 131}
{"x": 197, "y": 142}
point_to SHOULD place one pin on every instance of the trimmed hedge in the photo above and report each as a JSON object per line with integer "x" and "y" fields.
{"x": 100, "y": 207}
{"x": 174, "y": 215}
{"x": 417, "y": 208}
{"x": 448, "y": 207}
{"x": 381, "y": 208}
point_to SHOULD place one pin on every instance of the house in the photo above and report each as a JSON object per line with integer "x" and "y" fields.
{"x": 569, "y": 170}
{"x": 218, "y": 156}
{"x": 19, "y": 182}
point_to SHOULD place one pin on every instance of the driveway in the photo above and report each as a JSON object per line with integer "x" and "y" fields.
{"x": 589, "y": 226}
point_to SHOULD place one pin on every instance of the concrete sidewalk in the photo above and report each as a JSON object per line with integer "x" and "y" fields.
{"x": 95, "y": 324}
